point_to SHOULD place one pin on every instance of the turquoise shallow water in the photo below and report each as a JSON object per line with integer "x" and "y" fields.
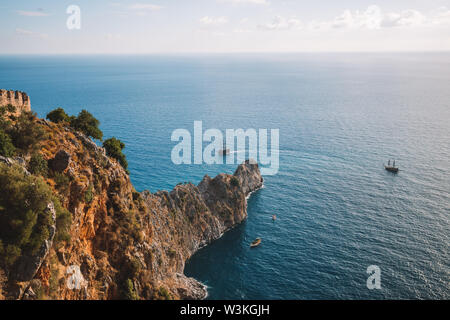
{"x": 340, "y": 116}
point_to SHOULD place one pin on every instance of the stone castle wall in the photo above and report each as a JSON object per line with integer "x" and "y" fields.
{"x": 18, "y": 99}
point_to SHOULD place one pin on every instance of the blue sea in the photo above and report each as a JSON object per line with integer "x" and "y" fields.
{"x": 340, "y": 117}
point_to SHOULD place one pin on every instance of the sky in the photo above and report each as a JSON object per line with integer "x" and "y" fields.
{"x": 223, "y": 26}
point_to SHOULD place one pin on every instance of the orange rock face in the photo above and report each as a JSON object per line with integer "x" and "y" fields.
{"x": 125, "y": 244}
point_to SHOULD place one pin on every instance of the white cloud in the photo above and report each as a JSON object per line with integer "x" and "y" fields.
{"x": 440, "y": 16}
{"x": 38, "y": 13}
{"x": 281, "y": 23}
{"x": 371, "y": 18}
{"x": 403, "y": 19}
{"x": 145, "y": 6}
{"x": 213, "y": 21}
{"x": 374, "y": 18}
{"x": 24, "y": 32}
{"x": 258, "y": 2}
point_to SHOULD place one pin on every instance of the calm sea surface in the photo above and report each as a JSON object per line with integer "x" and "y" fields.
{"x": 340, "y": 117}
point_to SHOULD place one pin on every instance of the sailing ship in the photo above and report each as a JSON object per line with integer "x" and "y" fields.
{"x": 392, "y": 168}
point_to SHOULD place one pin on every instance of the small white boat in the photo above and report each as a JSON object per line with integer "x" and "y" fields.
{"x": 255, "y": 243}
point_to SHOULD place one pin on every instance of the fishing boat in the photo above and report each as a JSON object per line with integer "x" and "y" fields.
{"x": 255, "y": 243}
{"x": 392, "y": 168}
{"x": 224, "y": 152}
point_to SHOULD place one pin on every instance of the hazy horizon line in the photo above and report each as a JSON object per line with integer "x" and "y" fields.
{"x": 221, "y": 53}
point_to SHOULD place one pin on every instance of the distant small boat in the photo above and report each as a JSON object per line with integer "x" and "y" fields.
{"x": 392, "y": 168}
{"x": 255, "y": 243}
{"x": 224, "y": 151}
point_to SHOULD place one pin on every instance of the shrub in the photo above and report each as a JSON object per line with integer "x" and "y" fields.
{"x": 62, "y": 182}
{"x": 164, "y": 294}
{"x": 133, "y": 267}
{"x": 129, "y": 291}
{"x": 5, "y": 122}
{"x": 89, "y": 195}
{"x": 38, "y": 165}
{"x": 63, "y": 223}
{"x": 8, "y": 108}
{"x": 24, "y": 219}
{"x": 9, "y": 254}
{"x": 3, "y": 279}
{"x": 26, "y": 133}
{"x": 58, "y": 115}
{"x": 7, "y": 149}
{"x": 130, "y": 225}
{"x": 114, "y": 149}
{"x": 87, "y": 124}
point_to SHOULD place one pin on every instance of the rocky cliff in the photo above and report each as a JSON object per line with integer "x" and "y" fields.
{"x": 124, "y": 244}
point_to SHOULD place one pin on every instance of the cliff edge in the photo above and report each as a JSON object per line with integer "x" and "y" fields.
{"x": 121, "y": 244}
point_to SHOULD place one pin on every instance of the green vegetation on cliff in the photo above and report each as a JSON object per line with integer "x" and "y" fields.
{"x": 25, "y": 220}
{"x": 26, "y": 133}
{"x": 114, "y": 149}
{"x": 38, "y": 165}
{"x": 88, "y": 124}
{"x": 58, "y": 115}
{"x": 19, "y": 135}
{"x": 85, "y": 122}
{"x": 7, "y": 149}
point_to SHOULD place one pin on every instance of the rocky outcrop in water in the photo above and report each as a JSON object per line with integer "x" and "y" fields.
{"x": 201, "y": 214}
